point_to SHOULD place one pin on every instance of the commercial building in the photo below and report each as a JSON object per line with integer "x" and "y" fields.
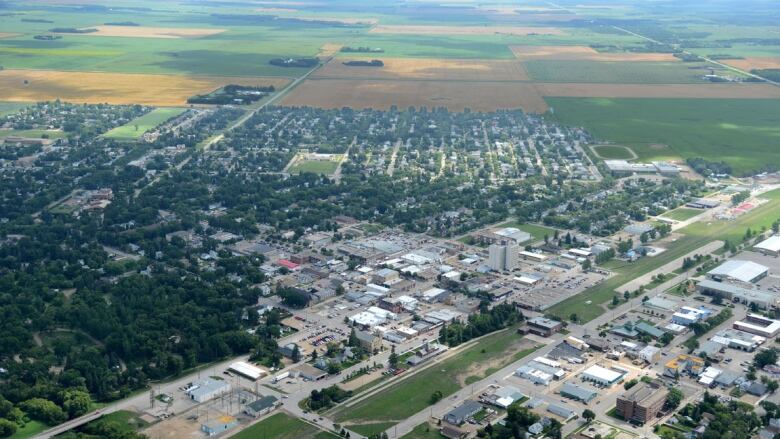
{"x": 219, "y": 425}
{"x": 207, "y": 389}
{"x": 263, "y": 406}
{"x": 737, "y": 339}
{"x": 762, "y": 299}
{"x": 602, "y": 376}
{"x": 708, "y": 376}
{"x": 547, "y": 366}
{"x": 623, "y": 167}
{"x": 247, "y": 370}
{"x": 642, "y": 402}
{"x": 503, "y": 236}
{"x": 503, "y": 257}
{"x": 369, "y": 341}
{"x": 463, "y": 412}
{"x": 759, "y": 325}
{"x": 534, "y": 375}
{"x": 770, "y": 246}
{"x": 579, "y": 393}
{"x": 741, "y": 271}
{"x": 649, "y": 354}
{"x": 688, "y": 315}
{"x": 684, "y": 364}
{"x": 531, "y": 256}
{"x": 703, "y": 203}
{"x": 543, "y": 327}
{"x": 434, "y": 295}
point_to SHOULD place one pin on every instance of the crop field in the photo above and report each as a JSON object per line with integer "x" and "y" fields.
{"x": 382, "y": 94}
{"x": 138, "y": 126}
{"x": 584, "y": 53}
{"x": 617, "y": 72}
{"x": 409, "y": 396}
{"x": 428, "y": 68}
{"x": 754, "y": 62}
{"x": 708, "y": 128}
{"x": 464, "y": 30}
{"x": 282, "y": 426}
{"x": 151, "y": 32}
{"x": 114, "y": 88}
{"x": 707, "y": 91}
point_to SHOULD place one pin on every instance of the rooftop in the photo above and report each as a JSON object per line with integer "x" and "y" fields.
{"x": 744, "y": 271}
{"x": 771, "y": 244}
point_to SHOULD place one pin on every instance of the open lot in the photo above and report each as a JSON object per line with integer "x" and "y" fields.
{"x": 464, "y": 30}
{"x": 428, "y": 68}
{"x": 151, "y": 32}
{"x": 138, "y": 126}
{"x": 682, "y": 213}
{"x": 382, "y": 94}
{"x": 708, "y": 128}
{"x": 114, "y": 88}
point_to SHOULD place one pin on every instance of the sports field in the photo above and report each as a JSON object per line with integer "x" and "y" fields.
{"x": 409, "y": 396}
{"x": 614, "y": 152}
{"x": 741, "y": 132}
{"x": 682, "y": 213}
{"x": 327, "y": 167}
{"x": 282, "y": 426}
{"x": 33, "y": 134}
{"x": 138, "y": 126}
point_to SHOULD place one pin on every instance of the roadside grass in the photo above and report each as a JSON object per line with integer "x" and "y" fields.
{"x": 423, "y": 431}
{"x": 282, "y": 426}
{"x": 707, "y": 128}
{"x": 695, "y": 236}
{"x": 140, "y": 125}
{"x": 682, "y": 213}
{"x": 411, "y": 395}
{"x": 30, "y": 429}
{"x": 369, "y": 430}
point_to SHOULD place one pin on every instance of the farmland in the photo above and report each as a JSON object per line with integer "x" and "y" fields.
{"x": 617, "y": 72}
{"x": 690, "y": 127}
{"x": 137, "y": 127}
{"x": 428, "y": 68}
{"x": 113, "y": 88}
{"x": 585, "y": 53}
{"x": 464, "y": 30}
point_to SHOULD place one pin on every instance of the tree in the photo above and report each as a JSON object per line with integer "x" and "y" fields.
{"x": 44, "y": 410}
{"x": 436, "y": 396}
{"x": 76, "y": 402}
{"x": 586, "y": 265}
{"x": 296, "y": 354}
{"x": 674, "y": 398}
{"x": 765, "y": 358}
{"x": 393, "y": 359}
{"x": 588, "y": 415}
{"x": 7, "y": 428}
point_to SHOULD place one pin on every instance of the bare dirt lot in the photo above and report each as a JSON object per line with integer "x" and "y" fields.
{"x": 382, "y": 94}
{"x": 113, "y": 88}
{"x": 428, "y": 68}
{"x": 464, "y": 30}
{"x": 723, "y": 91}
{"x": 152, "y": 32}
{"x": 751, "y": 63}
{"x": 573, "y": 53}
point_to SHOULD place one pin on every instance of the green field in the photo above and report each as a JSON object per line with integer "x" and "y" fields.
{"x": 620, "y": 72}
{"x": 537, "y": 232}
{"x": 409, "y": 396}
{"x": 423, "y": 431}
{"x": 370, "y": 430}
{"x": 282, "y": 426}
{"x": 327, "y": 167}
{"x": 10, "y": 107}
{"x": 138, "y": 126}
{"x": 741, "y": 132}
{"x": 682, "y": 213}
{"x": 33, "y": 134}
{"x": 30, "y": 429}
{"x": 695, "y": 236}
{"x": 613, "y": 152}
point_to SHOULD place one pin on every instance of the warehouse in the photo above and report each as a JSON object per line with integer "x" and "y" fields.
{"x": 434, "y": 295}
{"x": 762, "y": 299}
{"x": 703, "y": 203}
{"x": 602, "y": 376}
{"x": 462, "y": 413}
{"x": 759, "y": 325}
{"x": 737, "y": 270}
{"x": 247, "y": 370}
{"x": 533, "y": 375}
{"x": 542, "y": 326}
{"x": 770, "y": 246}
{"x": 578, "y": 393}
{"x": 206, "y": 389}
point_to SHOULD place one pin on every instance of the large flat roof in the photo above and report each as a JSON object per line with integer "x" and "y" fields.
{"x": 603, "y": 373}
{"x": 247, "y": 370}
{"x": 771, "y": 244}
{"x": 744, "y": 271}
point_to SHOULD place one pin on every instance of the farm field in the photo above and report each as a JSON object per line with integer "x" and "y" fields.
{"x": 400, "y": 400}
{"x": 584, "y": 53}
{"x": 707, "y": 128}
{"x": 138, "y": 126}
{"x": 703, "y": 91}
{"x": 282, "y": 426}
{"x": 151, "y": 32}
{"x": 427, "y": 68}
{"x": 617, "y": 72}
{"x": 754, "y": 62}
{"x": 114, "y": 88}
{"x": 384, "y": 94}
{"x": 682, "y": 213}
{"x": 464, "y": 30}
{"x": 695, "y": 236}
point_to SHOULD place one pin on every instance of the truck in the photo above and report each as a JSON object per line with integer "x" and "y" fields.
{"x": 281, "y": 376}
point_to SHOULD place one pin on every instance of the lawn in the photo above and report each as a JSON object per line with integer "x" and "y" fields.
{"x": 741, "y": 132}
{"x": 537, "y": 232}
{"x": 411, "y": 395}
{"x": 326, "y": 167}
{"x": 618, "y": 72}
{"x": 30, "y": 429}
{"x": 10, "y": 107}
{"x": 138, "y": 126}
{"x": 369, "y": 430}
{"x": 282, "y": 426}
{"x": 695, "y": 236}
{"x": 682, "y": 213}
{"x": 423, "y": 431}
{"x": 613, "y": 152}
{"x": 33, "y": 134}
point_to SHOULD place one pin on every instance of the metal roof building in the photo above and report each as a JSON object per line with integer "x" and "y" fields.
{"x": 578, "y": 393}
{"x": 743, "y": 271}
{"x": 762, "y": 299}
{"x": 770, "y": 246}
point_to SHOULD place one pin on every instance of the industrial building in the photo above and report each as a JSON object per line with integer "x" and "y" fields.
{"x": 642, "y": 402}
{"x": 578, "y": 393}
{"x": 534, "y": 375}
{"x": 247, "y": 370}
{"x": 688, "y": 315}
{"x": 207, "y": 389}
{"x": 219, "y": 425}
{"x": 602, "y": 376}
{"x": 542, "y": 326}
{"x": 762, "y": 299}
{"x": 769, "y": 246}
{"x": 703, "y": 203}
{"x": 740, "y": 271}
{"x": 434, "y": 295}
{"x": 737, "y": 339}
{"x": 623, "y": 167}
{"x": 262, "y": 406}
{"x": 759, "y": 325}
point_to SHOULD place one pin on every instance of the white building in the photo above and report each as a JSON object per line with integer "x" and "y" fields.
{"x": 207, "y": 389}
{"x": 247, "y": 370}
{"x": 649, "y": 354}
{"x": 534, "y": 375}
{"x": 759, "y": 325}
{"x": 770, "y": 246}
{"x": 708, "y": 376}
{"x": 737, "y": 270}
{"x": 503, "y": 257}
{"x": 433, "y": 295}
{"x": 602, "y": 376}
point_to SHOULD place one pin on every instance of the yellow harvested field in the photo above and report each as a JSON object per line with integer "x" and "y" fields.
{"x": 583, "y": 53}
{"x": 720, "y": 91}
{"x": 7, "y": 34}
{"x": 329, "y": 49}
{"x": 114, "y": 88}
{"x": 382, "y": 94}
{"x": 464, "y": 30}
{"x": 756, "y": 62}
{"x": 152, "y": 32}
{"x": 428, "y": 68}
{"x": 272, "y": 10}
